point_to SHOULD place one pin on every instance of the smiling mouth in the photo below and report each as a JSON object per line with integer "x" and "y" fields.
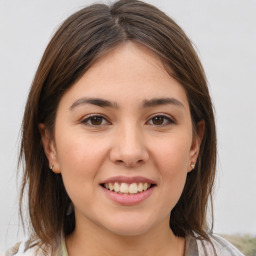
{"x": 128, "y": 189}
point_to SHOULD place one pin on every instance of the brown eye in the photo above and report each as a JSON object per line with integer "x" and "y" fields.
{"x": 95, "y": 121}
{"x": 158, "y": 120}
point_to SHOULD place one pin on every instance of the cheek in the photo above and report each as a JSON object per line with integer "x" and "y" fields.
{"x": 172, "y": 160}
{"x": 76, "y": 153}
{"x": 80, "y": 160}
{"x": 173, "y": 154}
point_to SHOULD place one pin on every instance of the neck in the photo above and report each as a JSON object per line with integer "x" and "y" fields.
{"x": 94, "y": 240}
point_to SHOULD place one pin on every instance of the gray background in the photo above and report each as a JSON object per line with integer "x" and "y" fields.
{"x": 224, "y": 34}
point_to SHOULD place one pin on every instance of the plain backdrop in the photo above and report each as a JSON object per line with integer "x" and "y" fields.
{"x": 224, "y": 34}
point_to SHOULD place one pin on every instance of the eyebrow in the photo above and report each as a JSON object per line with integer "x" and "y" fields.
{"x": 162, "y": 101}
{"x": 94, "y": 101}
{"x": 106, "y": 103}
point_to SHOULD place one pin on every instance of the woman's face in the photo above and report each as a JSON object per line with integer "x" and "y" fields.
{"x": 124, "y": 142}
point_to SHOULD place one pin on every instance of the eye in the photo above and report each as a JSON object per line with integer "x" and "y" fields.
{"x": 95, "y": 120}
{"x": 160, "y": 120}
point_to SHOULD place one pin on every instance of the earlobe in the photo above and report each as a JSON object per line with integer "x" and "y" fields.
{"x": 49, "y": 148}
{"x": 195, "y": 147}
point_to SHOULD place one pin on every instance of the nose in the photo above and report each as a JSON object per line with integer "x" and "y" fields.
{"x": 129, "y": 147}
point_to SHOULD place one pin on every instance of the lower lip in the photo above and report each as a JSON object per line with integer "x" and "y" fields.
{"x": 128, "y": 199}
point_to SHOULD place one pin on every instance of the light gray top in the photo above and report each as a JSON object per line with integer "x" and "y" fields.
{"x": 194, "y": 247}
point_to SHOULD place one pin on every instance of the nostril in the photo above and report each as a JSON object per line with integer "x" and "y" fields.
{"x": 119, "y": 162}
{"x": 129, "y": 163}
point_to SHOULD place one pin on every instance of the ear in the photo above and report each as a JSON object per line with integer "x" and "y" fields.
{"x": 49, "y": 148}
{"x": 196, "y": 142}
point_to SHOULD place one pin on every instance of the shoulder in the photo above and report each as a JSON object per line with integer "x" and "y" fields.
{"x": 34, "y": 247}
{"x": 217, "y": 246}
{"x": 25, "y": 248}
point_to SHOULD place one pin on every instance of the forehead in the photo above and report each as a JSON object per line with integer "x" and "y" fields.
{"x": 129, "y": 61}
{"x": 129, "y": 73}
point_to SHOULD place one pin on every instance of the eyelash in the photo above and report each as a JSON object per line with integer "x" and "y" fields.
{"x": 167, "y": 119}
{"x": 88, "y": 120}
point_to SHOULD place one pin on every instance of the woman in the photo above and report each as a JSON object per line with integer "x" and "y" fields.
{"x": 119, "y": 140}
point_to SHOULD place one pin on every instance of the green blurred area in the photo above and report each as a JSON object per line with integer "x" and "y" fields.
{"x": 245, "y": 243}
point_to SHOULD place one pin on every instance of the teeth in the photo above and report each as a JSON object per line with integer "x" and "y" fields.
{"x": 111, "y": 186}
{"x": 140, "y": 187}
{"x": 133, "y": 188}
{"x": 125, "y": 188}
{"x": 145, "y": 186}
{"x": 116, "y": 187}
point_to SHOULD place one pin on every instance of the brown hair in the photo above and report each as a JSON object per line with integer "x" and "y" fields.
{"x": 82, "y": 38}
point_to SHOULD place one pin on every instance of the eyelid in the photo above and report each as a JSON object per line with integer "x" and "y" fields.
{"x": 171, "y": 120}
{"x": 86, "y": 118}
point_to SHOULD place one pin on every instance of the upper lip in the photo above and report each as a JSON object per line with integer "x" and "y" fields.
{"x": 129, "y": 180}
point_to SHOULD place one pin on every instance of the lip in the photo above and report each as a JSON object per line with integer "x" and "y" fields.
{"x": 129, "y": 180}
{"x": 128, "y": 199}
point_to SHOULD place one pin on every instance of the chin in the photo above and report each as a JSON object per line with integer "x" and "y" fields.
{"x": 128, "y": 227}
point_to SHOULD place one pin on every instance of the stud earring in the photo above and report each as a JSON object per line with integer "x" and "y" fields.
{"x": 51, "y": 167}
{"x": 192, "y": 165}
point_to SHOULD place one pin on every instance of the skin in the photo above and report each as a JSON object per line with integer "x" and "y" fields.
{"x": 128, "y": 141}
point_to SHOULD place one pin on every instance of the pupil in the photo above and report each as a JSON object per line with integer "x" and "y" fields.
{"x": 158, "y": 120}
{"x": 96, "y": 120}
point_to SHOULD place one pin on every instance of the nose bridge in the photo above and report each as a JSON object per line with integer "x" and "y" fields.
{"x": 129, "y": 147}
